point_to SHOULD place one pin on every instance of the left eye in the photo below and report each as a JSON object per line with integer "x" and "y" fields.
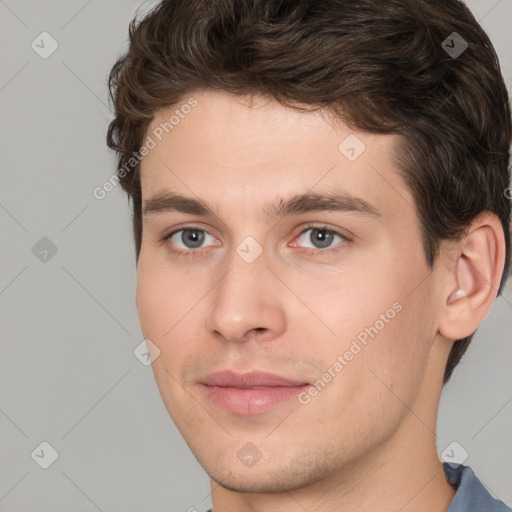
{"x": 189, "y": 238}
{"x": 320, "y": 238}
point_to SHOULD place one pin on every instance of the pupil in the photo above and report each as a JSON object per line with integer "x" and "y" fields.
{"x": 194, "y": 239}
{"x": 323, "y": 237}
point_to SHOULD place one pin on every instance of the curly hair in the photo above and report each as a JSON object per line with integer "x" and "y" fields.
{"x": 382, "y": 67}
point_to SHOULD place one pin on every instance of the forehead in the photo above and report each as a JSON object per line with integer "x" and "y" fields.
{"x": 243, "y": 150}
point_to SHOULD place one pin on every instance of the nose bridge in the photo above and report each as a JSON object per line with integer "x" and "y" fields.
{"x": 245, "y": 298}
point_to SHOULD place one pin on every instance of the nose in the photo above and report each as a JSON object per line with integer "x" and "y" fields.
{"x": 247, "y": 303}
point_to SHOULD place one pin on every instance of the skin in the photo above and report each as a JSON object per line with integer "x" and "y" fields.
{"x": 367, "y": 440}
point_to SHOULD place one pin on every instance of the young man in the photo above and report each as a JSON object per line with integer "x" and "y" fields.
{"x": 322, "y": 221}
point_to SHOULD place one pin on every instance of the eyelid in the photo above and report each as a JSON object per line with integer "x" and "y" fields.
{"x": 329, "y": 250}
{"x": 206, "y": 234}
{"x": 343, "y": 233}
{"x": 177, "y": 229}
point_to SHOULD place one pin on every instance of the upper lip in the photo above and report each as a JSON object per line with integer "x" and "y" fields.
{"x": 229, "y": 378}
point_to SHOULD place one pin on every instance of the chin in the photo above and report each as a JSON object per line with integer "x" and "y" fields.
{"x": 265, "y": 477}
{"x": 260, "y": 483}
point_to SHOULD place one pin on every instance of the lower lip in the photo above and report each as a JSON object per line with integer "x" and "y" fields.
{"x": 248, "y": 402}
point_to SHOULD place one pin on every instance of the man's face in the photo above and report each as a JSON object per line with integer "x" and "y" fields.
{"x": 334, "y": 296}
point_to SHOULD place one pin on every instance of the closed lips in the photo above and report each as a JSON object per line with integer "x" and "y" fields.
{"x": 249, "y": 380}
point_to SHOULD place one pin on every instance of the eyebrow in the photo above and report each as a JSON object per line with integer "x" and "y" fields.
{"x": 165, "y": 202}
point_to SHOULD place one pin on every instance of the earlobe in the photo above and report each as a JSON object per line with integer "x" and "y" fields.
{"x": 473, "y": 277}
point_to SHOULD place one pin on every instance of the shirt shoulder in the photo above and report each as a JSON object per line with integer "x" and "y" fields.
{"x": 470, "y": 495}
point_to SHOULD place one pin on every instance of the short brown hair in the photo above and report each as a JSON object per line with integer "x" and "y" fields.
{"x": 382, "y": 67}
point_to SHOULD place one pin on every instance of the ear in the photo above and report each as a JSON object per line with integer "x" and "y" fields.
{"x": 474, "y": 271}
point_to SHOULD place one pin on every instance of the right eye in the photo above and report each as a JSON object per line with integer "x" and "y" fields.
{"x": 188, "y": 239}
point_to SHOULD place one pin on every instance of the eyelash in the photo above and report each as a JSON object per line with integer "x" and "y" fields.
{"x": 197, "y": 253}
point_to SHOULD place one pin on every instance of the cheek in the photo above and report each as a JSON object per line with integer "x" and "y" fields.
{"x": 379, "y": 320}
{"x": 396, "y": 357}
{"x": 165, "y": 298}
{"x": 381, "y": 375}
{"x": 165, "y": 306}
{"x": 351, "y": 303}
{"x": 168, "y": 304}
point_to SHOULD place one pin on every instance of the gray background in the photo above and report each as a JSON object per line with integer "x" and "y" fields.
{"x": 69, "y": 326}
